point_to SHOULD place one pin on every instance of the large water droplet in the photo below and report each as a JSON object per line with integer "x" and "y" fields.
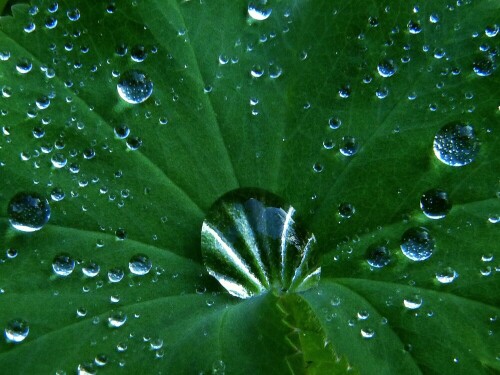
{"x": 456, "y": 144}
{"x": 17, "y": 330}
{"x": 386, "y": 68}
{"x": 252, "y": 243}
{"x": 435, "y": 204}
{"x": 259, "y": 10}
{"x": 348, "y": 146}
{"x": 484, "y": 66}
{"x": 417, "y": 244}
{"x": 28, "y": 212}
{"x": 63, "y": 264}
{"x": 134, "y": 87}
{"x": 140, "y": 264}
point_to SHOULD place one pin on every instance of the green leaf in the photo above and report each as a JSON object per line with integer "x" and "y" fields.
{"x": 239, "y": 103}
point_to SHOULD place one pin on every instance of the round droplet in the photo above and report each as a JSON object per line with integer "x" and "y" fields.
{"x": 24, "y": 66}
{"x": 252, "y": 243}
{"x": 346, "y": 210}
{"x": 63, "y": 265}
{"x": 259, "y": 10}
{"x": 413, "y": 302}
{"x": 59, "y": 160}
{"x": 414, "y": 27}
{"x": 140, "y": 264}
{"x": 134, "y": 87}
{"x": 417, "y": 244}
{"x": 42, "y": 102}
{"x": 491, "y": 31}
{"x": 17, "y": 330}
{"x": 115, "y": 275}
{"x": 121, "y": 234}
{"x": 456, "y": 144}
{"x": 435, "y": 204}
{"x": 446, "y": 276}
{"x": 348, "y": 146}
{"x": 138, "y": 53}
{"x": 28, "y": 212}
{"x": 484, "y": 66}
{"x": 367, "y": 333}
{"x": 378, "y": 255}
{"x": 91, "y": 269}
{"x": 122, "y": 131}
{"x": 117, "y": 319}
{"x": 386, "y": 68}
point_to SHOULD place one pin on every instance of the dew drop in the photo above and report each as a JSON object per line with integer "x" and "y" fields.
{"x": 122, "y": 131}
{"x": 73, "y": 14}
{"x": 435, "y": 204}
{"x": 417, "y": 244}
{"x": 117, "y": 319}
{"x": 91, "y": 269}
{"x": 134, "y": 87}
{"x": 140, "y": 264}
{"x": 28, "y": 212}
{"x": 491, "y": 31}
{"x": 484, "y": 66}
{"x": 252, "y": 243}
{"x": 378, "y": 255}
{"x": 446, "y": 276}
{"x": 456, "y": 144}
{"x": 17, "y": 330}
{"x": 346, "y": 210}
{"x": 414, "y": 27}
{"x": 24, "y": 66}
{"x": 59, "y": 160}
{"x": 413, "y": 302}
{"x": 138, "y": 53}
{"x": 367, "y": 333}
{"x": 348, "y": 146}
{"x": 63, "y": 264}
{"x": 115, "y": 275}
{"x": 259, "y": 10}
{"x": 386, "y": 68}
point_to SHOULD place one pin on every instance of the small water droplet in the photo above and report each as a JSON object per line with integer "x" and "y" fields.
{"x": 91, "y": 269}
{"x": 259, "y": 10}
{"x": 28, "y": 212}
{"x": 491, "y": 31}
{"x": 134, "y": 87}
{"x": 73, "y": 14}
{"x": 435, "y": 204}
{"x": 378, "y": 255}
{"x": 346, "y": 210}
{"x": 115, "y": 275}
{"x": 117, "y": 319}
{"x": 367, "y": 333}
{"x": 413, "y": 302}
{"x": 17, "y": 330}
{"x": 24, "y": 66}
{"x": 63, "y": 264}
{"x": 138, "y": 53}
{"x": 417, "y": 244}
{"x": 59, "y": 160}
{"x": 414, "y": 27}
{"x": 446, "y": 276}
{"x": 57, "y": 194}
{"x": 140, "y": 264}
{"x": 456, "y": 144}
